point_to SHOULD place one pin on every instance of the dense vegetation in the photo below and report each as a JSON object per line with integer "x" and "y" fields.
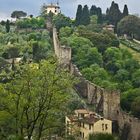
{"x": 36, "y": 93}
{"x": 34, "y": 90}
{"x": 34, "y": 23}
{"x": 97, "y": 53}
{"x": 101, "y": 137}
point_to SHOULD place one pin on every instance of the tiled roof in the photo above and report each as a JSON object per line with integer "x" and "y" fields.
{"x": 82, "y": 111}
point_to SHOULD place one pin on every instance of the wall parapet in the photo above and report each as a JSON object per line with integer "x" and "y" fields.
{"x": 63, "y": 53}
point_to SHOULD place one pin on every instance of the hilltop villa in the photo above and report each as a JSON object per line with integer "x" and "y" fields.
{"x": 54, "y": 8}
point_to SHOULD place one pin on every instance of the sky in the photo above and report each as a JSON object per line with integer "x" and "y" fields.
{"x": 68, "y": 7}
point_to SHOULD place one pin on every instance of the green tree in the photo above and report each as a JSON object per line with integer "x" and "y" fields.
{"x": 128, "y": 97}
{"x": 40, "y": 50}
{"x": 78, "y": 15}
{"x": 93, "y": 10}
{"x": 136, "y": 78}
{"x": 97, "y": 75}
{"x": 85, "y": 19}
{"x": 61, "y": 21}
{"x": 125, "y": 11}
{"x": 112, "y": 59}
{"x": 35, "y": 99}
{"x": 130, "y": 25}
{"x": 122, "y": 75}
{"x": 18, "y": 14}
{"x": 135, "y": 107}
{"x": 65, "y": 32}
{"x": 99, "y": 15}
{"x": 7, "y": 26}
{"x": 12, "y": 51}
{"x": 114, "y": 14}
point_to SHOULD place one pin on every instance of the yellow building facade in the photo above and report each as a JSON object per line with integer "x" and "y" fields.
{"x": 84, "y": 123}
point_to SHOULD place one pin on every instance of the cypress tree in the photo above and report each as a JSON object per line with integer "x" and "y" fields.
{"x": 114, "y": 14}
{"x": 99, "y": 15}
{"x": 7, "y": 26}
{"x": 107, "y": 11}
{"x": 93, "y": 10}
{"x": 107, "y": 14}
{"x": 78, "y": 15}
{"x": 125, "y": 11}
{"x": 85, "y": 20}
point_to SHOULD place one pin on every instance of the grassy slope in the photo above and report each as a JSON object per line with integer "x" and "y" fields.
{"x": 135, "y": 54}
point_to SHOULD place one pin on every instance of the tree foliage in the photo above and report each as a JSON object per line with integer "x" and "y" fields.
{"x": 79, "y": 15}
{"x": 34, "y": 23}
{"x": 85, "y": 19}
{"x": 7, "y": 26}
{"x": 18, "y": 14}
{"x": 35, "y": 98}
{"x": 101, "y": 137}
{"x": 125, "y": 11}
{"x": 61, "y": 21}
{"x": 114, "y": 14}
{"x": 135, "y": 107}
{"x": 130, "y": 25}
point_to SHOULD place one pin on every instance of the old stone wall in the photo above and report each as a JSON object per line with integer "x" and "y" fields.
{"x": 111, "y": 104}
{"x": 63, "y": 53}
{"x": 129, "y": 126}
{"x": 106, "y": 102}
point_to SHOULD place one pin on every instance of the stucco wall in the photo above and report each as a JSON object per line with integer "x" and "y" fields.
{"x": 99, "y": 126}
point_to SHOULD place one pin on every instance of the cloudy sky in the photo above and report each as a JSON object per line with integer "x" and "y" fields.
{"x": 68, "y": 7}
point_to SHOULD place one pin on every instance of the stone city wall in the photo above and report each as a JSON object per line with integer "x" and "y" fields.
{"x": 106, "y": 102}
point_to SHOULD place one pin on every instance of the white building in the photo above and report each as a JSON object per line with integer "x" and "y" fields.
{"x": 54, "y": 8}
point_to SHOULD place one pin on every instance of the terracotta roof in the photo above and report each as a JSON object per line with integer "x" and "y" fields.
{"x": 82, "y": 111}
{"x": 110, "y": 26}
{"x": 90, "y": 119}
{"x": 52, "y": 6}
{"x": 73, "y": 118}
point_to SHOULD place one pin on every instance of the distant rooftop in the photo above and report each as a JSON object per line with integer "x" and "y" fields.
{"x": 82, "y": 111}
{"x": 51, "y": 5}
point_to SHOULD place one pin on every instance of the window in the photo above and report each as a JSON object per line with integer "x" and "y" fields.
{"x": 79, "y": 124}
{"x": 83, "y": 135}
{"x": 67, "y": 122}
{"x": 103, "y": 127}
{"x": 80, "y": 134}
{"x": 83, "y": 125}
{"x": 55, "y": 11}
{"x": 106, "y": 126}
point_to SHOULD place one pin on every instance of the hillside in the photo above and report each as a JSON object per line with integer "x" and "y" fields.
{"x": 135, "y": 54}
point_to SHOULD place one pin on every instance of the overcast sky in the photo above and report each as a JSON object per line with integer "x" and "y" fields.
{"x": 68, "y": 7}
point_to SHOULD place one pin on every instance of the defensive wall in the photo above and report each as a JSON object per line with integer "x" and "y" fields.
{"x": 105, "y": 102}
